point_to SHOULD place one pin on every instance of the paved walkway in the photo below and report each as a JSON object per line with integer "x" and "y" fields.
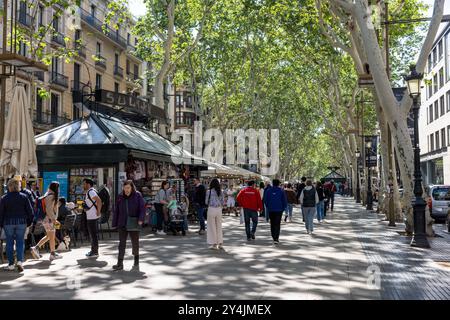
{"x": 335, "y": 263}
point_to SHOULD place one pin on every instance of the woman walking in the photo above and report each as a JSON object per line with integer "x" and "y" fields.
{"x": 129, "y": 215}
{"x": 161, "y": 202}
{"x": 214, "y": 201}
{"x": 309, "y": 199}
{"x": 16, "y": 214}
{"x": 320, "y": 208}
{"x": 51, "y": 200}
{"x": 291, "y": 200}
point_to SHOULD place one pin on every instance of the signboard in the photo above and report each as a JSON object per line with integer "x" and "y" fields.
{"x": 371, "y": 154}
{"x": 60, "y": 176}
{"x": 129, "y": 103}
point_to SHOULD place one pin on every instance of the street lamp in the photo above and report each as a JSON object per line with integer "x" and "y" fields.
{"x": 369, "y": 181}
{"x": 351, "y": 181}
{"x": 358, "y": 188}
{"x": 419, "y": 238}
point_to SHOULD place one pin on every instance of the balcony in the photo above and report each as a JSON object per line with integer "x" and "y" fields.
{"x": 39, "y": 75}
{"x": 49, "y": 119}
{"x": 80, "y": 49}
{"x": 58, "y": 38}
{"x": 78, "y": 85}
{"x": 132, "y": 77}
{"x": 59, "y": 79}
{"x": 100, "y": 61}
{"x": 98, "y": 25}
{"x": 24, "y": 18}
{"x": 118, "y": 71}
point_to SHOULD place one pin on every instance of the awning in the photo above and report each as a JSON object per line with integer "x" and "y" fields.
{"x": 247, "y": 174}
{"x": 221, "y": 171}
{"x": 98, "y": 131}
{"x": 335, "y": 176}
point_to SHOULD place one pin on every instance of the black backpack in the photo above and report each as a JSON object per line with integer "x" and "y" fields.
{"x": 104, "y": 195}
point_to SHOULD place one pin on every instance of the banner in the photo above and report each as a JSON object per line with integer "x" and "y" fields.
{"x": 371, "y": 153}
{"x": 62, "y": 177}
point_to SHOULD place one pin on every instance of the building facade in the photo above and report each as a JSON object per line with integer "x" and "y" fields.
{"x": 434, "y": 123}
{"x": 103, "y": 59}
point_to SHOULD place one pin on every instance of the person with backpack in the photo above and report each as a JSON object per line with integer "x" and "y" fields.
{"x": 276, "y": 203}
{"x": 92, "y": 205}
{"x": 249, "y": 199}
{"x": 47, "y": 208}
{"x": 129, "y": 215}
{"x": 309, "y": 199}
{"x": 16, "y": 215}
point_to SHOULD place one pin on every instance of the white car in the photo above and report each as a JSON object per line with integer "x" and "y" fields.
{"x": 439, "y": 201}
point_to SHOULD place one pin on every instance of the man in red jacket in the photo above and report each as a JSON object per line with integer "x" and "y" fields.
{"x": 249, "y": 199}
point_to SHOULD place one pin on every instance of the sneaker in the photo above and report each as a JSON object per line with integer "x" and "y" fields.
{"x": 276, "y": 242}
{"x": 220, "y": 247}
{"x": 91, "y": 254}
{"x": 160, "y": 232}
{"x": 19, "y": 266}
{"x": 118, "y": 267}
{"x": 212, "y": 247}
{"x": 10, "y": 268}
{"x": 253, "y": 236}
{"x": 35, "y": 253}
{"x": 54, "y": 257}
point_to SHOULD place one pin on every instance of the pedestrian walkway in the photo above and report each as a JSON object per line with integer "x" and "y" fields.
{"x": 335, "y": 263}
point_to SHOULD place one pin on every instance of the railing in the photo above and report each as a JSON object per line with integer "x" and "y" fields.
{"x": 58, "y": 38}
{"x": 59, "y": 79}
{"x": 24, "y": 18}
{"x": 100, "y": 61}
{"x": 98, "y": 24}
{"x": 80, "y": 48}
{"x": 77, "y": 85}
{"x": 132, "y": 76}
{"x": 131, "y": 48}
{"x": 39, "y": 75}
{"x": 118, "y": 71}
{"x": 49, "y": 118}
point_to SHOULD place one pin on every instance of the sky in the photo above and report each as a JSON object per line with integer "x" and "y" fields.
{"x": 137, "y": 7}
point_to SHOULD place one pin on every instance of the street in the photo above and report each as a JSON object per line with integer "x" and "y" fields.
{"x": 353, "y": 255}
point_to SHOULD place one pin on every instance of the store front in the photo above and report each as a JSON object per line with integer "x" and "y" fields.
{"x": 109, "y": 151}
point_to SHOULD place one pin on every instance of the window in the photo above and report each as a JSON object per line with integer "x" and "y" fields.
{"x": 436, "y": 136}
{"x": 98, "y": 81}
{"x": 441, "y": 78}
{"x": 99, "y": 48}
{"x": 431, "y": 113}
{"x": 54, "y": 111}
{"x": 448, "y": 101}
{"x": 22, "y": 48}
{"x": 128, "y": 67}
{"x": 428, "y": 115}
{"x": 430, "y": 63}
{"x": 77, "y": 34}
{"x": 443, "y": 140}
{"x": 440, "y": 50}
{"x": 93, "y": 10}
{"x": 40, "y": 16}
{"x": 136, "y": 71}
{"x": 178, "y": 101}
{"x": 128, "y": 38}
{"x": 116, "y": 87}
{"x": 116, "y": 59}
{"x": 442, "y": 102}
{"x": 436, "y": 110}
{"x": 448, "y": 135}
{"x": 428, "y": 143}
{"x": 435, "y": 83}
{"x": 435, "y": 56}
{"x": 432, "y": 141}
{"x": 430, "y": 90}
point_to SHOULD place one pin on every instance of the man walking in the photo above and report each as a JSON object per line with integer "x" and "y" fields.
{"x": 93, "y": 207}
{"x": 276, "y": 202}
{"x": 309, "y": 200}
{"x": 199, "y": 203}
{"x": 250, "y": 200}
{"x": 332, "y": 192}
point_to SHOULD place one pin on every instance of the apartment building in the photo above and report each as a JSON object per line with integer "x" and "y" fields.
{"x": 434, "y": 122}
{"x": 105, "y": 64}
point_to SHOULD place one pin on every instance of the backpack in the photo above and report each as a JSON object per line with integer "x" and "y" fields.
{"x": 41, "y": 211}
{"x": 106, "y": 199}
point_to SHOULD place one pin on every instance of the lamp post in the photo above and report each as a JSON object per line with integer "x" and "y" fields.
{"x": 369, "y": 205}
{"x": 358, "y": 188}
{"x": 419, "y": 238}
{"x": 350, "y": 185}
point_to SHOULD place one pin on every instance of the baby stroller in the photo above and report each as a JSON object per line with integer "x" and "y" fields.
{"x": 178, "y": 216}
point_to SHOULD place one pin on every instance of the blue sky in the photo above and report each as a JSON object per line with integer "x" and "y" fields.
{"x": 137, "y": 7}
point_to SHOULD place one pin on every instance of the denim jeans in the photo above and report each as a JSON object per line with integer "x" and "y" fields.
{"x": 15, "y": 233}
{"x": 289, "y": 209}
{"x": 253, "y": 215}
{"x": 309, "y": 217}
{"x": 320, "y": 210}
{"x": 201, "y": 217}
{"x": 266, "y": 213}
{"x": 275, "y": 224}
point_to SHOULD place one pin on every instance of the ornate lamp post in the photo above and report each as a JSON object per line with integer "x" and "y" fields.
{"x": 369, "y": 205}
{"x": 358, "y": 188}
{"x": 419, "y": 238}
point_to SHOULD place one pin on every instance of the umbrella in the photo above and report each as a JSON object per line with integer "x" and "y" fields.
{"x": 18, "y": 153}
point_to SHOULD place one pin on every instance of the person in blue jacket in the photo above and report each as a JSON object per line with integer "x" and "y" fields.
{"x": 276, "y": 203}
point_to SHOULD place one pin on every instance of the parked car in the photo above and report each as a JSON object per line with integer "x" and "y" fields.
{"x": 438, "y": 201}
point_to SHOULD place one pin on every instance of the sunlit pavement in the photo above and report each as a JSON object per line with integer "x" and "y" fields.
{"x": 351, "y": 256}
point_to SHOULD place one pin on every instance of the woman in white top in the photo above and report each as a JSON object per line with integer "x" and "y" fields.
{"x": 214, "y": 201}
{"x": 51, "y": 199}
